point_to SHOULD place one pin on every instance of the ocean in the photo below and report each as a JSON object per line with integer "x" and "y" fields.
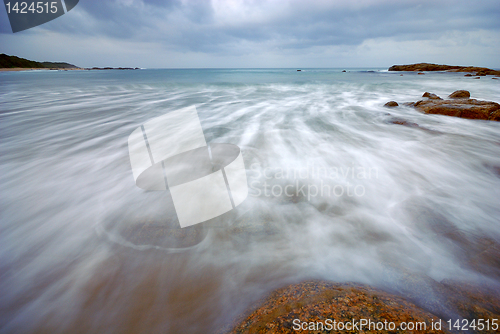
{"x": 337, "y": 191}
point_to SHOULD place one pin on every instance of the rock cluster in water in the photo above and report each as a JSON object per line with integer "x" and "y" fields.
{"x": 458, "y": 104}
{"x": 113, "y": 68}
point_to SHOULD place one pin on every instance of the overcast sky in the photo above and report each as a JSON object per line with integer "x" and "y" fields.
{"x": 264, "y": 33}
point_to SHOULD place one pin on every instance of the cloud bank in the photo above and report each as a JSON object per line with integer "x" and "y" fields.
{"x": 264, "y": 33}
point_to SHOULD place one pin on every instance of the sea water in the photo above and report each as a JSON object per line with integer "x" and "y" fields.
{"x": 337, "y": 191}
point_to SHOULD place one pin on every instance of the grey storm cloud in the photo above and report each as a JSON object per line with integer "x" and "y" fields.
{"x": 217, "y": 26}
{"x": 264, "y": 33}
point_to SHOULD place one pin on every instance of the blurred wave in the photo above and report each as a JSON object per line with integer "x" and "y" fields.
{"x": 85, "y": 250}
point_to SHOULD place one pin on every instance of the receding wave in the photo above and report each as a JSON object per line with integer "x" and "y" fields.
{"x": 337, "y": 191}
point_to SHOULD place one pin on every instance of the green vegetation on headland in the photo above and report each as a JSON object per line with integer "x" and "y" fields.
{"x": 13, "y": 62}
{"x": 420, "y": 67}
{"x": 7, "y": 61}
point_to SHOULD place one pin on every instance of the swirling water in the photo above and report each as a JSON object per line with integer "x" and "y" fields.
{"x": 337, "y": 191}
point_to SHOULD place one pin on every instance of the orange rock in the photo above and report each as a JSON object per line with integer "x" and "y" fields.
{"x": 495, "y": 116}
{"x": 474, "y": 109}
{"x": 391, "y": 104}
{"x": 460, "y": 94}
{"x": 431, "y": 96}
{"x": 459, "y": 106}
{"x": 316, "y": 301}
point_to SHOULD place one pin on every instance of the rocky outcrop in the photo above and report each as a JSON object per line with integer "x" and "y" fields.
{"x": 481, "y": 71}
{"x": 459, "y": 105}
{"x": 317, "y": 301}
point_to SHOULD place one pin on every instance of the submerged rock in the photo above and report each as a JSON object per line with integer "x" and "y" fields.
{"x": 400, "y": 121}
{"x": 162, "y": 234}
